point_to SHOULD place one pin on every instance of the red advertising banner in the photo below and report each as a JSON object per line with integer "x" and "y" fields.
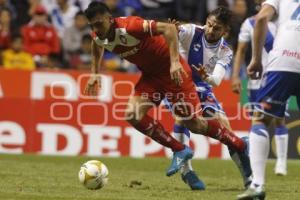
{"x": 45, "y": 112}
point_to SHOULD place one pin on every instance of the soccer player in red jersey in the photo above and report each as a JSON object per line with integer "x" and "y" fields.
{"x": 153, "y": 47}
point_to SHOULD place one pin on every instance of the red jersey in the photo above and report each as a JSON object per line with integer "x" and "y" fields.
{"x": 136, "y": 42}
{"x": 40, "y": 40}
{"x": 5, "y": 38}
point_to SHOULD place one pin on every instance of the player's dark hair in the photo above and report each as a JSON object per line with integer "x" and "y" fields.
{"x": 80, "y": 13}
{"x": 222, "y": 15}
{"x": 95, "y": 8}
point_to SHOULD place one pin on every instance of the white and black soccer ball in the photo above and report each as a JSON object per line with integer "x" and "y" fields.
{"x": 93, "y": 174}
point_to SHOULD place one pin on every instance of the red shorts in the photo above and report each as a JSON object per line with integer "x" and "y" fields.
{"x": 184, "y": 98}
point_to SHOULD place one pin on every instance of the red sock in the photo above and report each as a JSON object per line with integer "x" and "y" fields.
{"x": 159, "y": 134}
{"x": 217, "y": 131}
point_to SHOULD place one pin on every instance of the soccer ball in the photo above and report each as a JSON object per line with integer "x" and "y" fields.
{"x": 93, "y": 174}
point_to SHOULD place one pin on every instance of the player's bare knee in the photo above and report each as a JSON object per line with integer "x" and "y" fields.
{"x": 133, "y": 116}
{"x": 178, "y": 121}
{"x": 261, "y": 117}
{"x": 196, "y": 125}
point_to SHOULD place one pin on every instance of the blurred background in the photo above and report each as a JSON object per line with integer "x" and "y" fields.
{"x": 54, "y": 34}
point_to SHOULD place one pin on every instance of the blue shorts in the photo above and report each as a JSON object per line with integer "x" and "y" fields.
{"x": 252, "y": 100}
{"x": 207, "y": 99}
{"x": 276, "y": 88}
{"x": 252, "y": 95}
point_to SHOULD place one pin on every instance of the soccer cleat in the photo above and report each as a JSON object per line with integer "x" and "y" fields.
{"x": 242, "y": 160}
{"x": 193, "y": 181}
{"x": 252, "y": 194}
{"x": 280, "y": 169}
{"x": 179, "y": 158}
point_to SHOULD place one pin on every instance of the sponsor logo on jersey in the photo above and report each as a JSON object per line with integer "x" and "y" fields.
{"x": 197, "y": 47}
{"x": 129, "y": 53}
{"x": 123, "y": 39}
{"x": 289, "y": 53}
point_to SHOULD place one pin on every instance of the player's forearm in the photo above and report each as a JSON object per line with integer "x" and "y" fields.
{"x": 260, "y": 30}
{"x": 170, "y": 34}
{"x": 97, "y": 54}
{"x": 217, "y": 76}
{"x": 259, "y": 37}
{"x": 238, "y": 60}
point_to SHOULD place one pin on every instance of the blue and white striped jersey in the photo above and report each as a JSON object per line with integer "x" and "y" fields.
{"x": 216, "y": 58}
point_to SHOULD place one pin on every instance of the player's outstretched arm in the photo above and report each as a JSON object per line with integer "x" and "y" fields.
{"x": 238, "y": 60}
{"x": 169, "y": 31}
{"x": 217, "y": 76}
{"x": 260, "y": 30}
{"x": 94, "y": 81}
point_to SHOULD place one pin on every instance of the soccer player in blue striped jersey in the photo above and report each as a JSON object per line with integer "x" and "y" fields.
{"x": 280, "y": 81}
{"x": 281, "y": 131}
{"x": 210, "y": 57}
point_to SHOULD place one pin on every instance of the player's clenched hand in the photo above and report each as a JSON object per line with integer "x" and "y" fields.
{"x": 93, "y": 84}
{"x": 236, "y": 85}
{"x": 176, "y": 72}
{"x": 254, "y": 69}
{"x": 202, "y": 71}
{"x": 174, "y": 21}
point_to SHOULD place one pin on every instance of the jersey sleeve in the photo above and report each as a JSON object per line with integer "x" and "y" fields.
{"x": 273, "y": 3}
{"x": 186, "y": 32}
{"x": 141, "y": 27}
{"x": 185, "y": 37}
{"x": 245, "y": 32}
{"x": 223, "y": 64}
{"x": 217, "y": 76}
{"x": 225, "y": 58}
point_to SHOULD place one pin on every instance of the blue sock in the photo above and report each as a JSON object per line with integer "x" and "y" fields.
{"x": 259, "y": 129}
{"x": 181, "y": 129}
{"x": 281, "y": 130}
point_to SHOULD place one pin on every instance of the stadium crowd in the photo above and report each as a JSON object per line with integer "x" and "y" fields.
{"x": 54, "y": 34}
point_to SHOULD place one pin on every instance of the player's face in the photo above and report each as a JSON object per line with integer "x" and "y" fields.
{"x": 214, "y": 30}
{"x": 101, "y": 25}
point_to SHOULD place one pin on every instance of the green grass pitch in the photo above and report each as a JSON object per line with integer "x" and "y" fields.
{"x": 31, "y": 177}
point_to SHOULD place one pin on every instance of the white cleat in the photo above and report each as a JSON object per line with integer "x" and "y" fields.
{"x": 280, "y": 169}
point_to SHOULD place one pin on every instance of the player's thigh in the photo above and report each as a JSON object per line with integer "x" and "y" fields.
{"x": 279, "y": 122}
{"x": 139, "y": 104}
{"x": 141, "y": 101}
{"x": 197, "y": 125}
{"x": 222, "y": 118}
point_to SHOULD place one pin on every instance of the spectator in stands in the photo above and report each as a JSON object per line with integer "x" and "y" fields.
{"x": 82, "y": 58}
{"x": 21, "y": 15}
{"x": 8, "y": 5}
{"x": 5, "y": 28}
{"x": 73, "y": 35}
{"x": 130, "y": 7}
{"x": 240, "y": 13}
{"x": 16, "y": 58}
{"x": 157, "y": 9}
{"x": 62, "y": 16}
{"x": 81, "y": 4}
{"x": 113, "y": 6}
{"x": 191, "y": 10}
{"x": 40, "y": 37}
{"x": 53, "y": 61}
